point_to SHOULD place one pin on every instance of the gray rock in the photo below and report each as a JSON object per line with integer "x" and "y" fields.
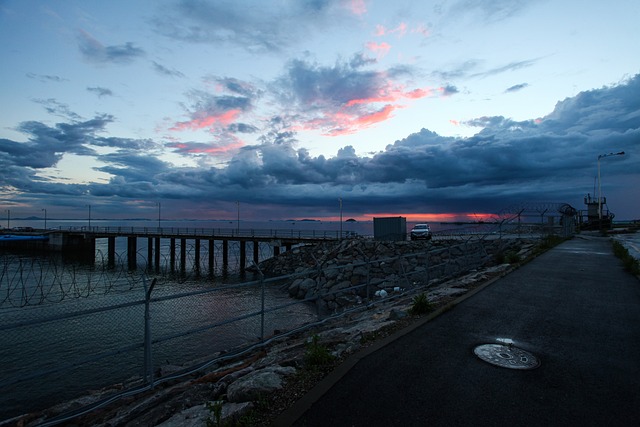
{"x": 195, "y": 416}
{"x": 396, "y": 314}
{"x": 250, "y": 387}
{"x": 307, "y": 284}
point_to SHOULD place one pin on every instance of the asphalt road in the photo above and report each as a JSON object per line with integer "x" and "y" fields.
{"x": 574, "y": 308}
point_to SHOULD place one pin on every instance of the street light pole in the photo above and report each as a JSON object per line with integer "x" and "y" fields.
{"x": 45, "y": 218}
{"x": 158, "y": 214}
{"x": 238, "y": 204}
{"x": 89, "y": 206}
{"x": 601, "y": 156}
{"x": 340, "y": 200}
{"x": 8, "y": 218}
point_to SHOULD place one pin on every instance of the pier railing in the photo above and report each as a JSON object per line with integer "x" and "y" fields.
{"x": 210, "y": 232}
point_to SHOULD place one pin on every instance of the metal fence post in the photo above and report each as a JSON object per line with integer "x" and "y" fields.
{"x": 262, "y": 297}
{"x": 262, "y": 309}
{"x": 148, "y": 360}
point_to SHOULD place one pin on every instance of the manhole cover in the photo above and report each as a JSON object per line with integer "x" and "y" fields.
{"x": 506, "y": 356}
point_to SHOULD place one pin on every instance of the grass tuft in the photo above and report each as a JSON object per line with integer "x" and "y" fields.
{"x": 421, "y": 305}
{"x": 317, "y": 355}
{"x": 631, "y": 264}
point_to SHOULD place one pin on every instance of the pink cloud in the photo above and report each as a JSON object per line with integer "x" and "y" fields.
{"x": 358, "y": 114}
{"x": 381, "y": 49}
{"x": 454, "y": 122}
{"x": 357, "y": 7}
{"x": 209, "y": 121}
{"x": 348, "y": 122}
{"x": 391, "y": 95}
{"x": 400, "y": 30}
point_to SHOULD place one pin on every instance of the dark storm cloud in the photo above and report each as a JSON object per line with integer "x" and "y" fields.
{"x": 448, "y": 90}
{"x": 94, "y": 51}
{"x": 505, "y": 163}
{"x": 237, "y": 86}
{"x": 343, "y": 98}
{"x": 474, "y": 69}
{"x": 458, "y": 71}
{"x": 512, "y": 66}
{"x": 161, "y": 69}
{"x": 516, "y": 88}
{"x": 100, "y": 91}
{"x": 311, "y": 85}
{"x": 242, "y": 128}
{"x": 490, "y": 11}
{"x": 74, "y": 138}
{"x": 265, "y": 26}
{"x": 46, "y": 78}
{"x": 218, "y": 111}
{"x": 209, "y": 104}
{"x": 124, "y": 144}
{"x": 46, "y": 146}
{"x": 56, "y": 108}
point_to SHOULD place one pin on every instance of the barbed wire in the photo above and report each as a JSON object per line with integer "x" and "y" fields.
{"x": 36, "y": 279}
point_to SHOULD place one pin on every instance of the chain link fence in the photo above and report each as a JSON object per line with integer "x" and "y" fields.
{"x": 103, "y": 333}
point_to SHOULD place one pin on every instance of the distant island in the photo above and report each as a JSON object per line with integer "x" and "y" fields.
{"x": 351, "y": 220}
{"x": 303, "y": 220}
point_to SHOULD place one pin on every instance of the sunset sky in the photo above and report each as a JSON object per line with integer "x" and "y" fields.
{"x": 440, "y": 110}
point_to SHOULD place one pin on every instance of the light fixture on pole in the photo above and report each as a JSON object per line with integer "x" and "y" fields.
{"x": 45, "y": 218}
{"x": 601, "y": 156}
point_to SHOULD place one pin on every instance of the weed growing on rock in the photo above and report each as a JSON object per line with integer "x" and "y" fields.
{"x": 512, "y": 258}
{"x": 216, "y": 410}
{"x": 317, "y": 355}
{"x": 421, "y": 305}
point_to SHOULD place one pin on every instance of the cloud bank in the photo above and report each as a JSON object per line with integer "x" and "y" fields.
{"x": 506, "y": 162}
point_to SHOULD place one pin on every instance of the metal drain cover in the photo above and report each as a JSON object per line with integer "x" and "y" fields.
{"x": 506, "y": 356}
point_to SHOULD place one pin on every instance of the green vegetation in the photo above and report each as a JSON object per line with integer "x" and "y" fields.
{"x": 248, "y": 419}
{"x": 317, "y": 355}
{"x": 547, "y": 243}
{"x": 216, "y": 410}
{"x": 512, "y": 257}
{"x": 630, "y": 263}
{"x": 421, "y": 305}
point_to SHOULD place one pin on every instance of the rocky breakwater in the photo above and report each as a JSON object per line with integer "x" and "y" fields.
{"x": 339, "y": 275}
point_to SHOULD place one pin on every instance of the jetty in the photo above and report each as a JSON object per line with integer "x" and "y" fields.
{"x": 83, "y": 240}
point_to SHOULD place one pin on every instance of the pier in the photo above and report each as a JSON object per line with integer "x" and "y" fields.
{"x": 83, "y": 239}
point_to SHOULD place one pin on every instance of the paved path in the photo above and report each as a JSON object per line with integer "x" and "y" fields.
{"x": 573, "y": 307}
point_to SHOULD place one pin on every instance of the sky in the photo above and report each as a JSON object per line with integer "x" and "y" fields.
{"x": 434, "y": 110}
